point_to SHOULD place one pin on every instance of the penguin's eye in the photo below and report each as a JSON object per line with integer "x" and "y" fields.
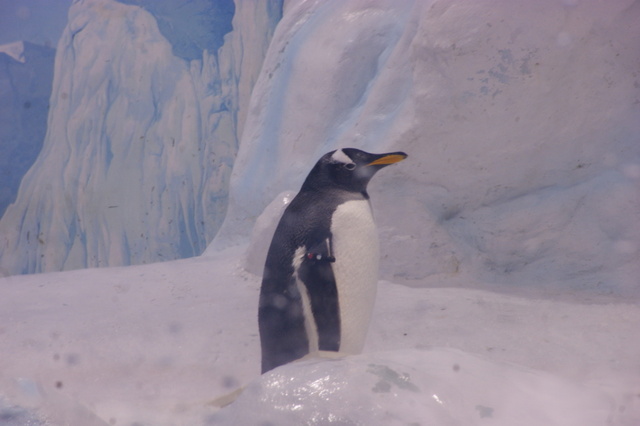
{"x": 350, "y": 166}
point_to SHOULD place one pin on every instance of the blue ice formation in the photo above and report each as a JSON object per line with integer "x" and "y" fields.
{"x": 141, "y": 136}
{"x": 193, "y": 26}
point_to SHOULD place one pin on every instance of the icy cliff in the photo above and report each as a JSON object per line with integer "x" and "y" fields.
{"x": 140, "y": 142}
{"x": 521, "y": 121}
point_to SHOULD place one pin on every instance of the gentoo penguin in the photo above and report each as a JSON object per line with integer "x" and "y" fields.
{"x": 320, "y": 276}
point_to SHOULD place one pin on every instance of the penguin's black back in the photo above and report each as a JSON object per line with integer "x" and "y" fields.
{"x": 306, "y": 222}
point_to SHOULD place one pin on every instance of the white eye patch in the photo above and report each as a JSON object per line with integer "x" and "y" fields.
{"x": 340, "y": 157}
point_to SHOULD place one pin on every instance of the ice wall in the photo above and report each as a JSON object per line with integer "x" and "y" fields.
{"x": 140, "y": 142}
{"x": 521, "y": 121}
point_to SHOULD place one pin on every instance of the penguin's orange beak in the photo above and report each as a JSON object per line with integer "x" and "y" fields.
{"x": 388, "y": 159}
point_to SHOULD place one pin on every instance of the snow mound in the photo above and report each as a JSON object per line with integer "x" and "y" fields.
{"x": 440, "y": 386}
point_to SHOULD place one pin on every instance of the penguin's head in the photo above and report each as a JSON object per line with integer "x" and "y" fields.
{"x": 349, "y": 169}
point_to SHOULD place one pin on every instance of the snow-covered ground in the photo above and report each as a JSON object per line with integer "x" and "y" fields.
{"x": 159, "y": 344}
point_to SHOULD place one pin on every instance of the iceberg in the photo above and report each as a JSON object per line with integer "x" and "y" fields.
{"x": 140, "y": 142}
{"x": 521, "y": 128}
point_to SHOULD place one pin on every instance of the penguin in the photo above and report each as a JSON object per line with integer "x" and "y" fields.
{"x": 320, "y": 276}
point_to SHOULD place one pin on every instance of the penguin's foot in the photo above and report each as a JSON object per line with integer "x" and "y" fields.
{"x": 224, "y": 400}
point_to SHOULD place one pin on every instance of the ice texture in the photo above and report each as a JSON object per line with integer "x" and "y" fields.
{"x": 140, "y": 143}
{"x": 520, "y": 121}
{"x": 411, "y": 387}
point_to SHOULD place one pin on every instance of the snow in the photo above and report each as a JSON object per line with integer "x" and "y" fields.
{"x": 441, "y": 387}
{"x": 510, "y": 235}
{"x": 101, "y": 326}
{"x": 160, "y": 344}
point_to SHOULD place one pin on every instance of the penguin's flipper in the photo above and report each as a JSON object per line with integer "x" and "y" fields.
{"x": 316, "y": 272}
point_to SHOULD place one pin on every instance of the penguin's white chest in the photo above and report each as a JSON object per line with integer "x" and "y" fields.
{"x": 357, "y": 250}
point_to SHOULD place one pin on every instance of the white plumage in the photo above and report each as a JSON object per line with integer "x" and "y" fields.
{"x": 340, "y": 157}
{"x": 356, "y": 248}
{"x": 309, "y": 322}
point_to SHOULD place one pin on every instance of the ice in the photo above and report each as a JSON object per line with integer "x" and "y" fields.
{"x": 504, "y": 126}
{"x": 521, "y": 151}
{"x": 191, "y": 27}
{"x": 140, "y": 143}
{"x": 439, "y": 387}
